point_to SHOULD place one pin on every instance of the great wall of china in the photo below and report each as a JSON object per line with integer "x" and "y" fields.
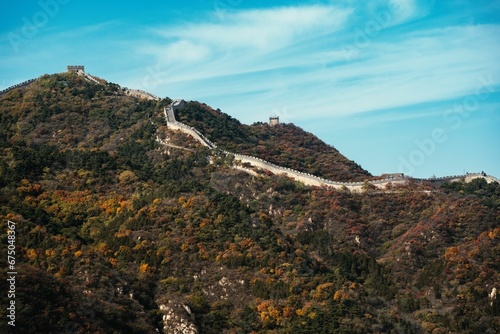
{"x": 175, "y": 125}
{"x": 81, "y": 71}
{"x": 306, "y": 178}
{"x": 22, "y": 84}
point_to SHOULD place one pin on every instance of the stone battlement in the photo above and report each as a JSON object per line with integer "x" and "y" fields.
{"x": 22, "y": 84}
{"x": 306, "y": 178}
{"x": 75, "y": 68}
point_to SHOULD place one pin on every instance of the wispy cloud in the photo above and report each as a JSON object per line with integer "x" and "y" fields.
{"x": 262, "y": 30}
{"x": 397, "y": 70}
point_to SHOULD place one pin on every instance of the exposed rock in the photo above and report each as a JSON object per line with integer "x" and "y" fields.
{"x": 177, "y": 318}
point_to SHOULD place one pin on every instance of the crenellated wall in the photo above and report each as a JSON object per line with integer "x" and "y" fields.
{"x": 309, "y": 179}
{"x": 306, "y": 178}
{"x": 140, "y": 94}
{"x": 175, "y": 125}
{"x": 22, "y": 84}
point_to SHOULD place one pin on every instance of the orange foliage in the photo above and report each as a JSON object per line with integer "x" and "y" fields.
{"x": 31, "y": 254}
{"x": 340, "y": 294}
{"x": 143, "y": 267}
{"x": 269, "y": 312}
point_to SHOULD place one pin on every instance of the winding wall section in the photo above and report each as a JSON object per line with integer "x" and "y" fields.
{"x": 305, "y": 178}
{"x": 22, "y": 84}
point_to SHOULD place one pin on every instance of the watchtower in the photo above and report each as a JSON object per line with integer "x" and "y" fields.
{"x": 75, "y": 68}
{"x": 274, "y": 120}
{"x": 178, "y": 104}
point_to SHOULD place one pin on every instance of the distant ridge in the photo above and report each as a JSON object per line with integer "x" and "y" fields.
{"x": 305, "y": 178}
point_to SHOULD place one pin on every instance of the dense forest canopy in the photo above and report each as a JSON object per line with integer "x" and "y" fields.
{"x": 114, "y": 231}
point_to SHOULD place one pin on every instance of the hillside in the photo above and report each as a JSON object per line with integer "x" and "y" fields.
{"x": 117, "y": 233}
{"x": 285, "y": 145}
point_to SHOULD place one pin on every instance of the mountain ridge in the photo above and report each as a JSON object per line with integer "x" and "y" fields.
{"x": 396, "y": 178}
{"x": 118, "y": 233}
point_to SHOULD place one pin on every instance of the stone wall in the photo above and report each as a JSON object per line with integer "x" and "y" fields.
{"x": 22, "y": 84}
{"x": 306, "y": 178}
{"x": 309, "y": 179}
{"x": 75, "y": 68}
{"x": 173, "y": 124}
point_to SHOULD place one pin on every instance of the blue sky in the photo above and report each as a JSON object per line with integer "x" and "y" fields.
{"x": 396, "y": 85}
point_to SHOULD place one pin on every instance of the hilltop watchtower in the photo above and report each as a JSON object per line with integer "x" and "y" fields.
{"x": 75, "y": 68}
{"x": 178, "y": 104}
{"x": 274, "y": 120}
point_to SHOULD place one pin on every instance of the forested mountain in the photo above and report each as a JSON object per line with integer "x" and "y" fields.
{"x": 285, "y": 145}
{"x": 117, "y": 233}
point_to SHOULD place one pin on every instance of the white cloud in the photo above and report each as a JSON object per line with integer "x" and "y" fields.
{"x": 403, "y": 9}
{"x": 292, "y": 57}
{"x": 259, "y": 31}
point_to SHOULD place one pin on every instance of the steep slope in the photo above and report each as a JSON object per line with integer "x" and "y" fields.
{"x": 285, "y": 145}
{"x": 116, "y": 233}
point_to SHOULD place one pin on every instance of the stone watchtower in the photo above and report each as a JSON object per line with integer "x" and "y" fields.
{"x": 75, "y": 68}
{"x": 274, "y": 120}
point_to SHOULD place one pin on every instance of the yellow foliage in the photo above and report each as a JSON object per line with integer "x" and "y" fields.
{"x": 109, "y": 206}
{"x": 62, "y": 272}
{"x": 27, "y": 187}
{"x": 31, "y": 254}
{"x": 144, "y": 267}
{"x": 300, "y": 312}
{"x": 78, "y": 253}
{"x": 103, "y": 247}
{"x": 246, "y": 243}
{"x": 204, "y": 222}
{"x": 219, "y": 219}
{"x": 113, "y": 261}
{"x": 450, "y": 253}
{"x": 322, "y": 290}
{"x": 269, "y": 312}
{"x": 14, "y": 217}
{"x": 190, "y": 203}
{"x": 339, "y": 294}
{"x": 122, "y": 233}
{"x": 127, "y": 177}
{"x": 288, "y": 312}
{"x": 495, "y": 233}
{"x": 50, "y": 252}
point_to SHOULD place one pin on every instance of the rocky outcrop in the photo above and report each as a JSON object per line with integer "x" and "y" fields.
{"x": 177, "y": 318}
